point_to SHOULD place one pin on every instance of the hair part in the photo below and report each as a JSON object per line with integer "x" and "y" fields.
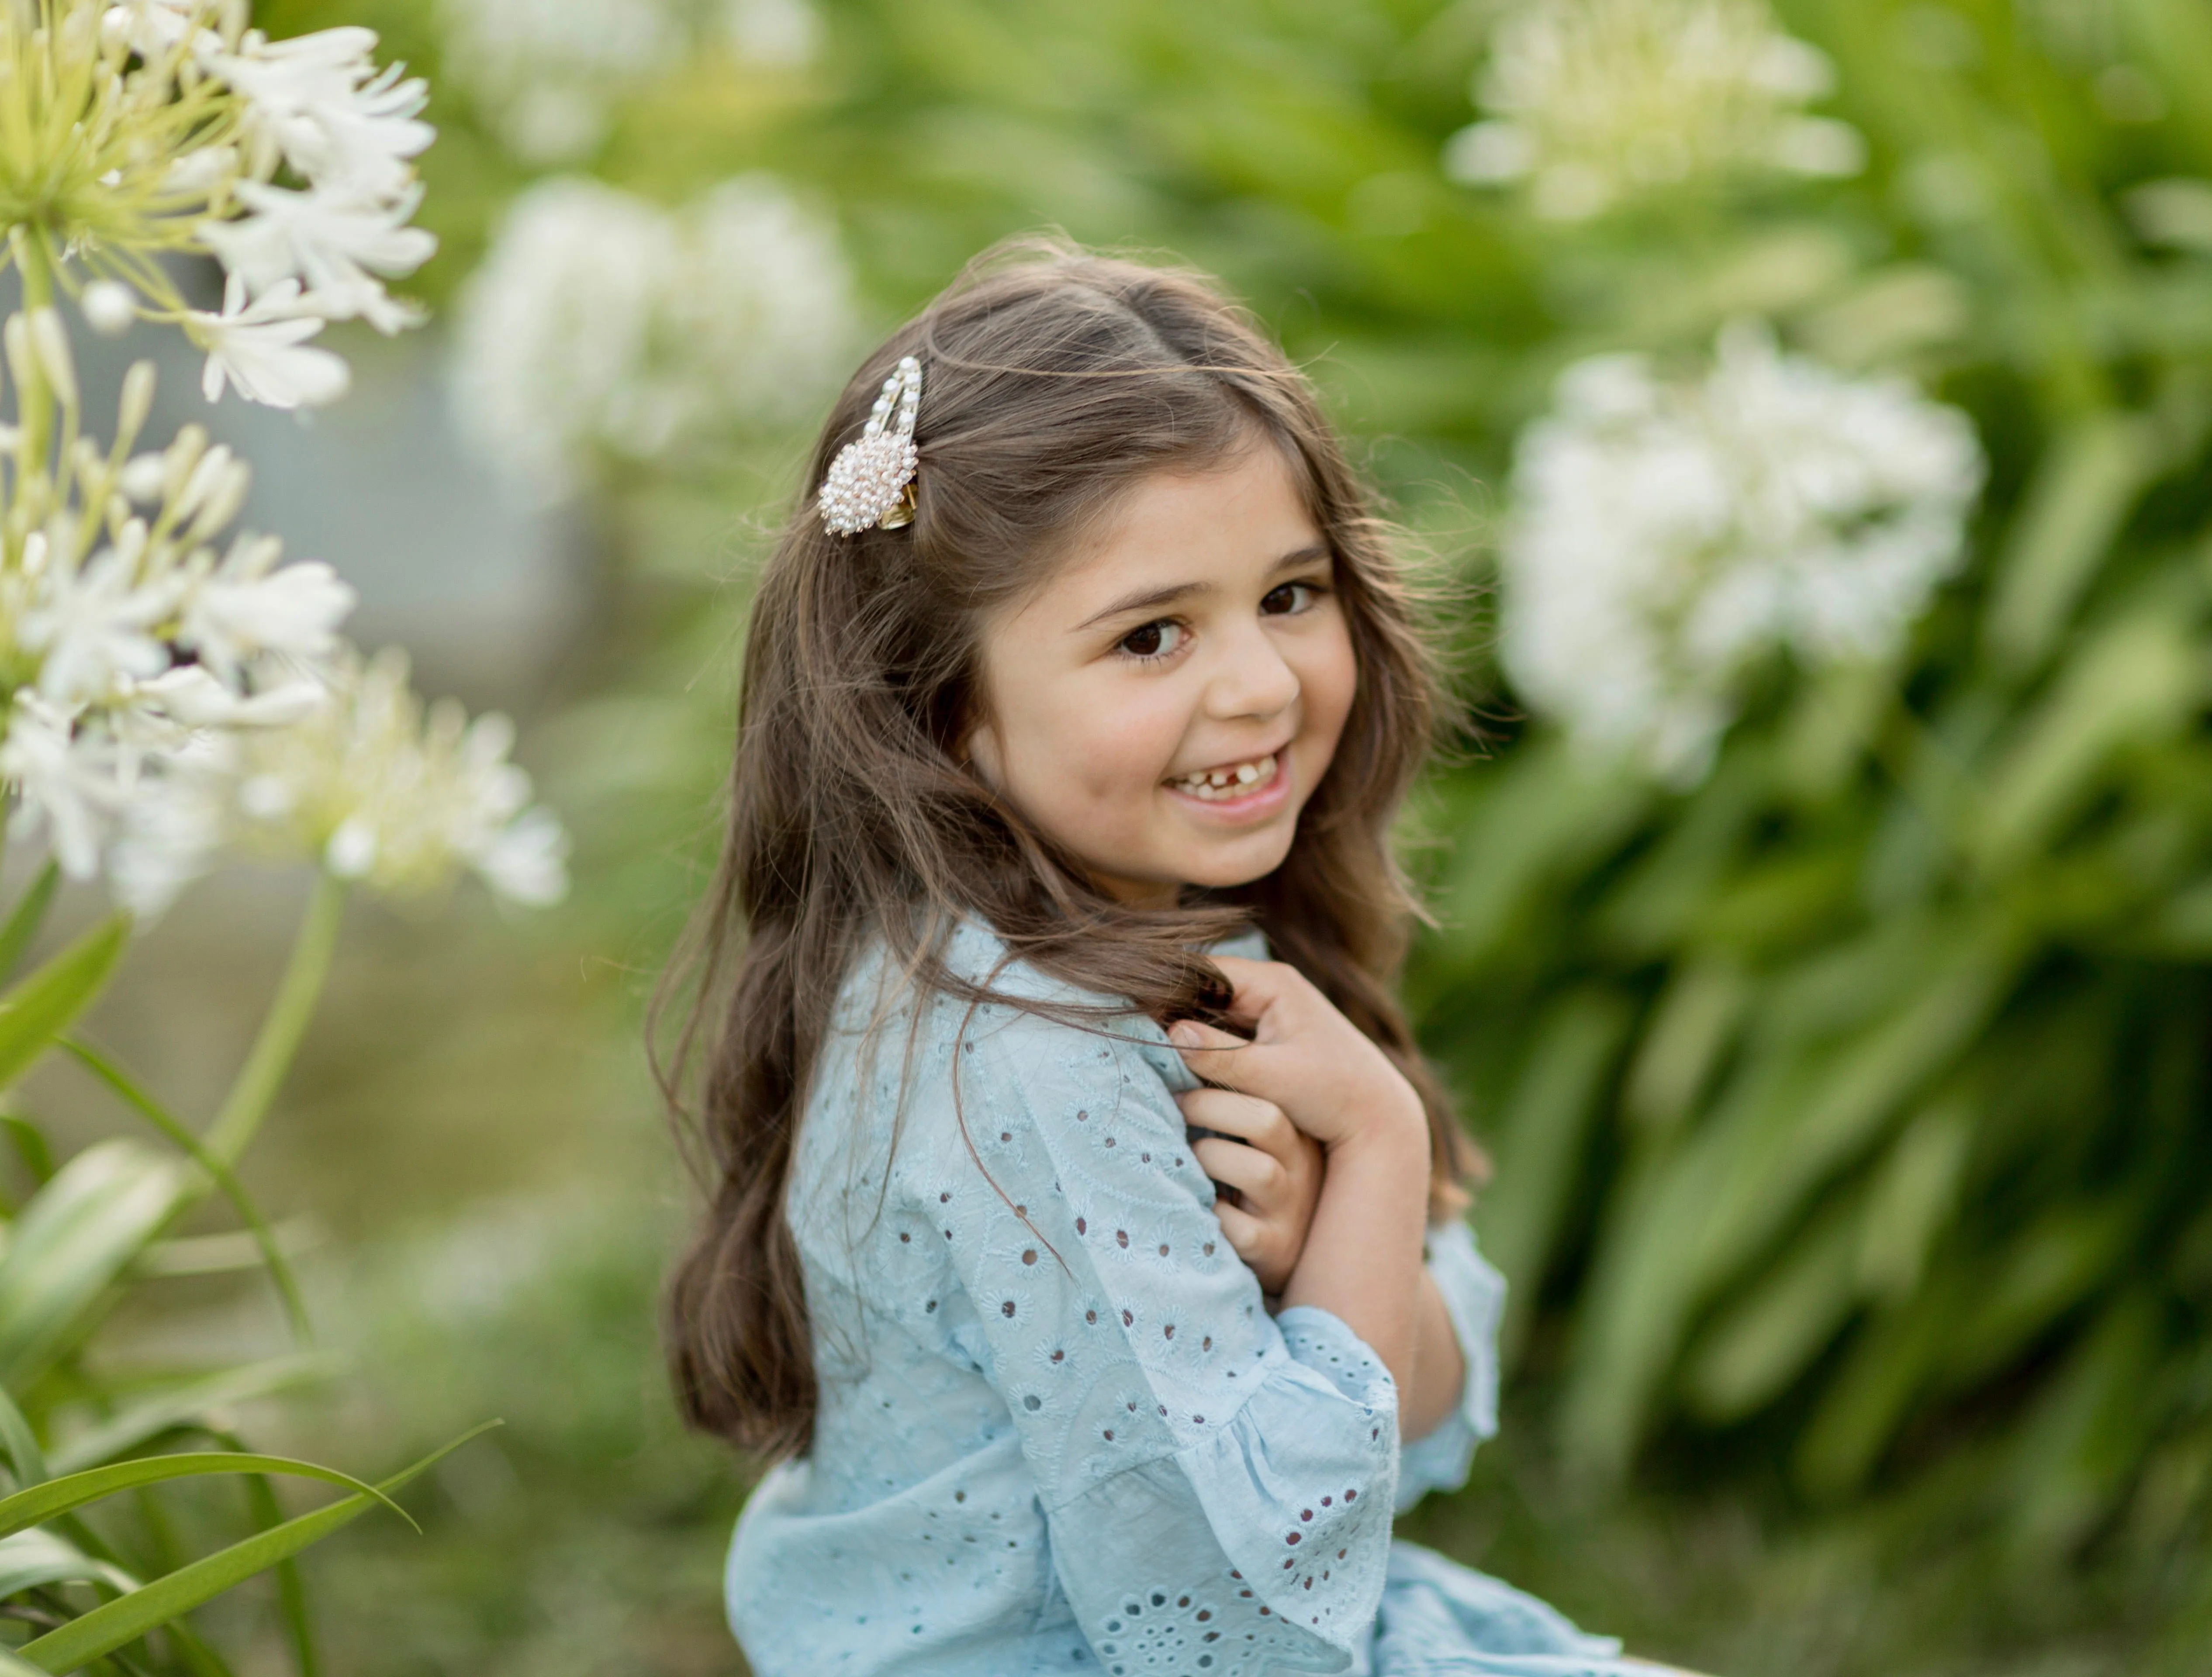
{"x": 1055, "y": 380}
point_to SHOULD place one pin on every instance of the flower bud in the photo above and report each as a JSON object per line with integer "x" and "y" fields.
{"x": 109, "y": 307}
{"x": 138, "y": 401}
{"x": 351, "y": 851}
{"x": 141, "y": 477}
{"x": 16, "y": 340}
{"x": 50, "y": 341}
{"x": 178, "y": 460}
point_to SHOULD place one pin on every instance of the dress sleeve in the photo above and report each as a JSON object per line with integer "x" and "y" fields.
{"x": 1218, "y": 1484}
{"x": 1475, "y": 1298}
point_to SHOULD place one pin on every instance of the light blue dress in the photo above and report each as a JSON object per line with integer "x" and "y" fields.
{"x": 1059, "y": 1431}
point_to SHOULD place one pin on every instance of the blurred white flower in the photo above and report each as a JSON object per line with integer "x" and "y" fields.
{"x": 329, "y": 244}
{"x": 1666, "y": 535}
{"x": 158, "y": 126}
{"x": 125, "y": 637}
{"x": 246, "y": 607}
{"x": 601, "y": 323}
{"x": 547, "y": 73}
{"x": 368, "y": 785}
{"x": 261, "y": 347}
{"x": 66, "y": 781}
{"x": 1591, "y": 103}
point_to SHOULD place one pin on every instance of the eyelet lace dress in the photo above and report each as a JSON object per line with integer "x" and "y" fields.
{"x": 1059, "y": 1431}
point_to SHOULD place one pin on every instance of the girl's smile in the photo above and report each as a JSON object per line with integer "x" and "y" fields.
{"x": 1165, "y": 703}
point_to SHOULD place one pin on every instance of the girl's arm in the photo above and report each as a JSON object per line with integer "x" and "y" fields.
{"x": 1439, "y": 1368}
{"x": 1362, "y": 1261}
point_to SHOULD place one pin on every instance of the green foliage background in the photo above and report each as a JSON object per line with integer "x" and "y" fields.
{"x": 1850, "y": 1112}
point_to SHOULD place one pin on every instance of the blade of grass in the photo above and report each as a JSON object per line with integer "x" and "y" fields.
{"x": 21, "y": 1444}
{"x": 286, "y": 1022}
{"x": 38, "y": 1008}
{"x": 157, "y": 1415}
{"x": 29, "y": 915}
{"x": 30, "y": 1144}
{"x": 128, "y": 1618}
{"x": 279, "y": 1268}
{"x": 39, "y": 1503}
{"x": 291, "y": 1587}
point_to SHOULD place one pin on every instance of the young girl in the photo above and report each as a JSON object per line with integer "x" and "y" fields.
{"x": 1092, "y": 1336}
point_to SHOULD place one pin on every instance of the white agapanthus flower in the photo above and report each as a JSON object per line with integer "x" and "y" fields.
{"x": 124, "y": 632}
{"x": 602, "y": 324}
{"x": 1593, "y": 102}
{"x": 368, "y": 785}
{"x": 1667, "y": 534}
{"x": 160, "y": 126}
{"x": 547, "y": 74}
{"x": 166, "y": 690}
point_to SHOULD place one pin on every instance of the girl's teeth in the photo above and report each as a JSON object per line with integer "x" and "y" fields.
{"x": 1215, "y": 784}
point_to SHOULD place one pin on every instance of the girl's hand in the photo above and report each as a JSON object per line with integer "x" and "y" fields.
{"x": 1275, "y": 1169}
{"x": 1305, "y": 1056}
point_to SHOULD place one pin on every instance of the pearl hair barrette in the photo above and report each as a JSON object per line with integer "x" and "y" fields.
{"x": 870, "y": 483}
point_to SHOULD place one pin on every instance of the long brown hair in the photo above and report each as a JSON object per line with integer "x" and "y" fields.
{"x": 1054, "y": 379}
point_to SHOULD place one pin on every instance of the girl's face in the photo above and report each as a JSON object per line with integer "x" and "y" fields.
{"x": 1165, "y": 705}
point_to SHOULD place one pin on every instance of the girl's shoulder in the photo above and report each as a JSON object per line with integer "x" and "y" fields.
{"x": 1040, "y": 1030}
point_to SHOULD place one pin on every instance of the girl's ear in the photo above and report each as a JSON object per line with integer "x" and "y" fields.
{"x": 981, "y": 749}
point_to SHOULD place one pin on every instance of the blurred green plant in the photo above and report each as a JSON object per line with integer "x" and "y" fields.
{"x": 159, "y": 701}
{"x": 86, "y": 1577}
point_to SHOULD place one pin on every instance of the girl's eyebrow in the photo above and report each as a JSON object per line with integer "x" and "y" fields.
{"x": 1145, "y": 600}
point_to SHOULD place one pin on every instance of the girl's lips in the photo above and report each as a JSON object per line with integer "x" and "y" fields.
{"x": 1255, "y": 803}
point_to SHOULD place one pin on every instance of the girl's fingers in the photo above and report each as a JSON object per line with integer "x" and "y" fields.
{"x": 1246, "y": 1234}
{"x": 1255, "y": 985}
{"x": 1245, "y": 1116}
{"x": 1220, "y": 1057}
{"x": 1257, "y": 1175}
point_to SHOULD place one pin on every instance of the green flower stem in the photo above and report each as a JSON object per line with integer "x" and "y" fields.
{"x": 34, "y": 401}
{"x": 286, "y": 1024}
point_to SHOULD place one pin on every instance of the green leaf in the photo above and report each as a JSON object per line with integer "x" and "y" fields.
{"x": 1540, "y": 1135}
{"x": 2086, "y": 483}
{"x": 39, "y": 1007}
{"x": 25, "y": 918}
{"x": 2138, "y": 680}
{"x": 124, "y": 1621}
{"x": 41, "y": 1503}
{"x": 187, "y": 1405}
{"x": 29, "y": 1142}
{"x": 2079, "y": 1448}
{"x": 25, "y": 1459}
{"x": 291, "y": 1588}
{"x": 1692, "y": 1026}
{"x": 1791, "y": 1314}
{"x": 73, "y": 1239}
{"x": 272, "y": 1255}
{"x": 31, "y": 1558}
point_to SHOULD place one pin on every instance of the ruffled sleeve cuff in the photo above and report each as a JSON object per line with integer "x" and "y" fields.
{"x": 1475, "y": 1298}
{"x": 1259, "y": 1547}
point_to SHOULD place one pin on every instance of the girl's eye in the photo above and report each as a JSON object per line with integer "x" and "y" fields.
{"x": 1153, "y": 639}
{"x": 1289, "y": 598}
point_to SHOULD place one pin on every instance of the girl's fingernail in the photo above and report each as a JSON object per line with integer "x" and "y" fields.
{"x": 1183, "y": 1034}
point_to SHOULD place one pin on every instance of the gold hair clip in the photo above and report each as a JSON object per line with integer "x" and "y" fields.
{"x": 871, "y": 482}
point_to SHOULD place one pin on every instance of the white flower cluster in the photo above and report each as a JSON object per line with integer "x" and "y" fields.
{"x": 1667, "y": 535}
{"x": 1592, "y": 103}
{"x": 602, "y": 324}
{"x": 123, "y": 630}
{"x": 547, "y": 73}
{"x": 367, "y": 784}
{"x": 152, "y": 127}
{"x": 145, "y": 656}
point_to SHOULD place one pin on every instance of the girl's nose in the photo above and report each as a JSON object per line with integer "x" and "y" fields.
{"x": 1253, "y": 679}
